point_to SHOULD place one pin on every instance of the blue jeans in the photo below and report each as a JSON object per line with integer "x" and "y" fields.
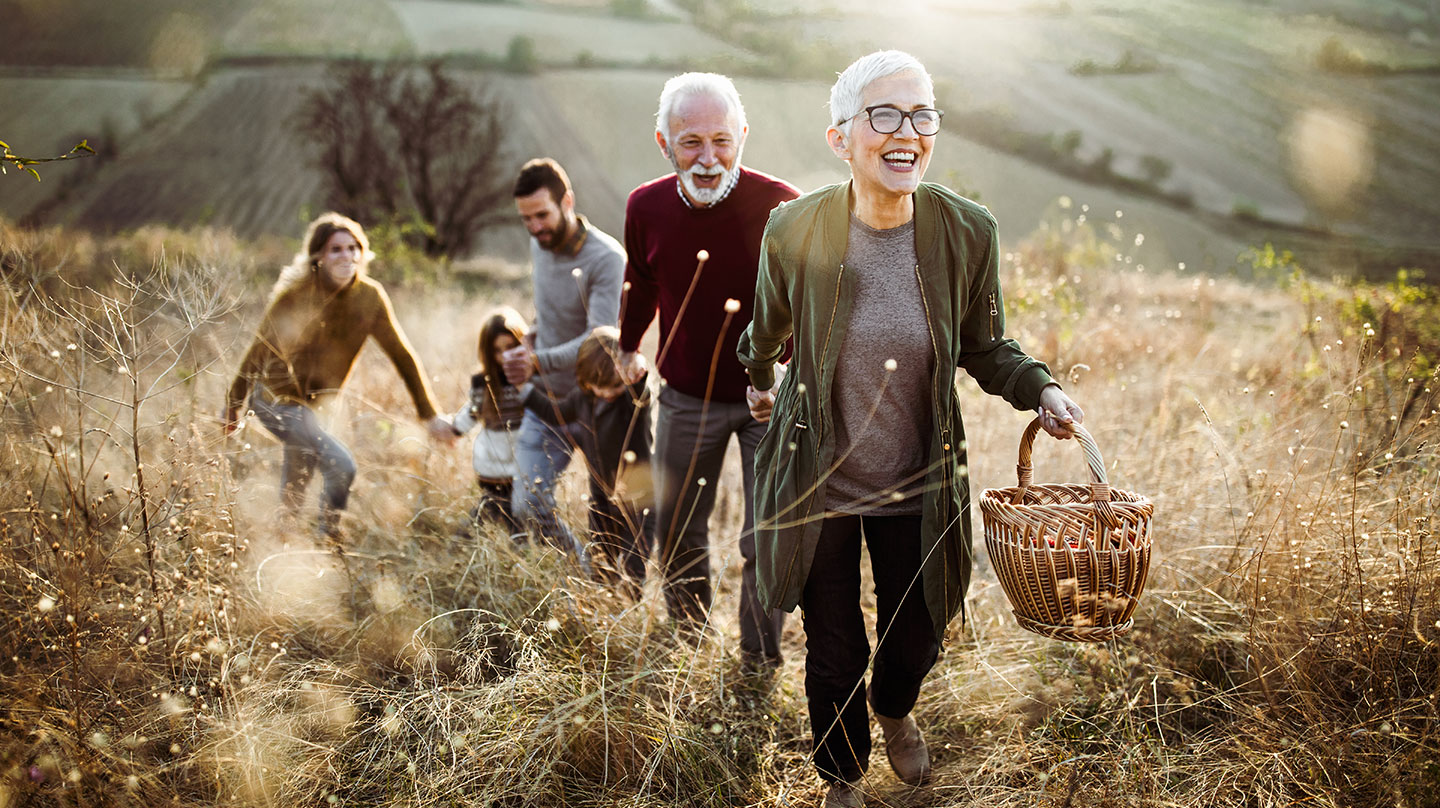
{"x": 307, "y": 447}
{"x": 542, "y": 454}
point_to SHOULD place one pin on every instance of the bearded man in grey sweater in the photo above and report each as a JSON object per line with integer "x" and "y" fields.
{"x": 577, "y": 272}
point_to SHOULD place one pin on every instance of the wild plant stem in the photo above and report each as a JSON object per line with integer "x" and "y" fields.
{"x": 136, "y": 401}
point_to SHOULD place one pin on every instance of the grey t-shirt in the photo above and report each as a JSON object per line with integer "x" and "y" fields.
{"x": 882, "y": 418}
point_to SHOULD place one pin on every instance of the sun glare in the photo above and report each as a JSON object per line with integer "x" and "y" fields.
{"x": 1331, "y": 157}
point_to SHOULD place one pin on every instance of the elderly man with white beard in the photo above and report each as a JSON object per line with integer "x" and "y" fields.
{"x": 692, "y": 239}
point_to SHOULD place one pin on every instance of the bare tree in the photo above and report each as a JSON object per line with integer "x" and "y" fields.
{"x": 412, "y": 146}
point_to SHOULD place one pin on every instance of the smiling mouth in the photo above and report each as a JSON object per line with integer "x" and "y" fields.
{"x": 900, "y": 159}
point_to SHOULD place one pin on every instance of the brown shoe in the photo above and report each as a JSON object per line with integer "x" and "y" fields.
{"x": 905, "y": 747}
{"x": 844, "y": 795}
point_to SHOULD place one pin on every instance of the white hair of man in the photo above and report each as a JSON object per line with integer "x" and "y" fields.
{"x": 685, "y": 85}
{"x": 849, "y": 91}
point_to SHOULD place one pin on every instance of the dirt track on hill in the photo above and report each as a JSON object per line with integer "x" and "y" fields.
{"x": 227, "y": 156}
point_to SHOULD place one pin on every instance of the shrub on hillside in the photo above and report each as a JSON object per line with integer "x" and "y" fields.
{"x": 1129, "y": 63}
{"x": 632, "y": 9}
{"x": 1337, "y": 57}
{"x": 423, "y": 151}
{"x": 520, "y": 56}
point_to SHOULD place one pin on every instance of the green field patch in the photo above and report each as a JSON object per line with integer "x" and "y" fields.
{"x": 559, "y": 36}
{"x": 319, "y": 27}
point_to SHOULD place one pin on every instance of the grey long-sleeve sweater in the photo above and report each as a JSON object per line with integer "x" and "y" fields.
{"x": 576, "y": 291}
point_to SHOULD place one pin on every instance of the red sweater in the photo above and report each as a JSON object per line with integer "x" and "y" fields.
{"x": 662, "y": 236}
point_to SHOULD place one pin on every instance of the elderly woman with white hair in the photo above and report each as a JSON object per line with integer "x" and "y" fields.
{"x": 886, "y": 284}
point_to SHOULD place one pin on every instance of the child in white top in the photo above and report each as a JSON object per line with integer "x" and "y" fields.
{"x": 497, "y": 407}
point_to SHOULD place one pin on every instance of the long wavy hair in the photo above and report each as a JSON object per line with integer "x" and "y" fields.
{"x": 503, "y": 320}
{"x": 303, "y": 266}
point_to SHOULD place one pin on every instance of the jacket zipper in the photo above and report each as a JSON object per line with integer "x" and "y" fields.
{"x": 994, "y": 312}
{"x": 819, "y": 423}
{"x": 934, "y": 347}
{"x": 946, "y": 479}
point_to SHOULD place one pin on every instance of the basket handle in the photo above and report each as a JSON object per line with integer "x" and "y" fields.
{"x": 1099, "y": 484}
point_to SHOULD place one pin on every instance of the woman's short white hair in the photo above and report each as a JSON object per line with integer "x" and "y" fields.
{"x": 849, "y": 91}
{"x": 686, "y": 85}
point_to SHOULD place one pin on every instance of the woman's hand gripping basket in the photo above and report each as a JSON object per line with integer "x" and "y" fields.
{"x": 1072, "y": 559}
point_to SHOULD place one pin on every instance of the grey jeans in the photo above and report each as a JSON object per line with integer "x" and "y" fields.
{"x": 690, "y": 442}
{"x": 307, "y": 447}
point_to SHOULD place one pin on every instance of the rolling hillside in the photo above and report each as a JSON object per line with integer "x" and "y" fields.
{"x": 1134, "y": 106}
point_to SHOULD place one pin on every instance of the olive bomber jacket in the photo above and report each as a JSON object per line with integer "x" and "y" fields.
{"x": 803, "y": 290}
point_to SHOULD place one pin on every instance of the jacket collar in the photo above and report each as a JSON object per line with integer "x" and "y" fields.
{"x": 835, "y": 215}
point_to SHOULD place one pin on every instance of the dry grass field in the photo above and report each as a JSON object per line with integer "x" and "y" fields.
{"x": 168, "y": 640}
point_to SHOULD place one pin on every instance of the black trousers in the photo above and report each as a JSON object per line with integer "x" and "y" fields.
{"x": 493, "y": 504}
{"x": 837, "y": 646}
{"x": 621, "y": 537}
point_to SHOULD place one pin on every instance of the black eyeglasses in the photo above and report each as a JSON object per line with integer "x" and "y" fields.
{"x": 887, "y": 120}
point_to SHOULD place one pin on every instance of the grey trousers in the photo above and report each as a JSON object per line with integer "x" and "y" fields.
{"x": 307, "y": 447}
{"x": 691, "y": 437}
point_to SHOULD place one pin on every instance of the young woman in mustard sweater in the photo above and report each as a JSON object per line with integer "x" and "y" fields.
{"x": 320, "y": 313}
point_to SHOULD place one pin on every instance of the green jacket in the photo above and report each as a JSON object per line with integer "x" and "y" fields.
{"x": 804, "y": 291}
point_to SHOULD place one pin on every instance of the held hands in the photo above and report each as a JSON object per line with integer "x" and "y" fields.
{"x": 631, "y": 365}
{"x": 1057, "y": 412}
{"x": 519, "y": 363}
{"x": 441, "y": 430}
{"x": 762, "y": 402}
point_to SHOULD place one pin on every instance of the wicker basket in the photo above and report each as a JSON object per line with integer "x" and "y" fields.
{"x": 1072, "y": 559}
